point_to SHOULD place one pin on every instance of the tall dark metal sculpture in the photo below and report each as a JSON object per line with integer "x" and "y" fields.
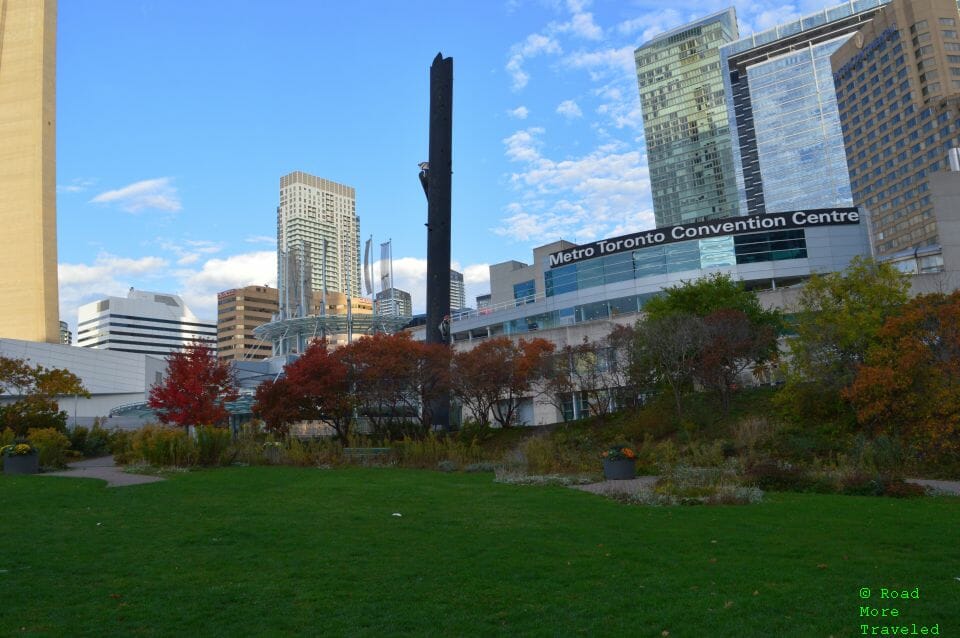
{"x": 435, "y": 177}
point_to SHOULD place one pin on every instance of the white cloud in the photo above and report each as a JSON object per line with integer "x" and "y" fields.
{"x": 190, "y": 251}
{"x": 651, "y": 24}
{"x": 108, "y": 275}
{"x": 582, "y": 26}
{"x": 522, "y": 145}
{"x": 410, "y": 274}
{"x": 535, "y": 44}
{"x": 521, "y": 113}
{"x": 77, "y": 185}
{"x": 159, "y": 194}
{"x": 604, "y": 62}
{"x": 199, "y": 288}
{"x": 569, "y": 109}
{"x": 261, "y": 239}
{"x": 604, "y": 192}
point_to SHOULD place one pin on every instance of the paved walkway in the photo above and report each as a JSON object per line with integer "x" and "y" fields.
{"x": 949, "y": 488}
{"x": 105, "y": 469}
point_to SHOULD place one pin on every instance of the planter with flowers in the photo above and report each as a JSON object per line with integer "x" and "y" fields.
{"x": 20, "y": 458}
{"x": 619, "y": 463}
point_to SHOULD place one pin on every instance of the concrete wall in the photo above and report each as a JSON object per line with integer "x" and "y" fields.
{"x": 112, "y": 378}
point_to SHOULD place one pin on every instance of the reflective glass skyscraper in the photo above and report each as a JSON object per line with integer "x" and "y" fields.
{"x": 685, "y": 121}
{"x": 788, "y": 151}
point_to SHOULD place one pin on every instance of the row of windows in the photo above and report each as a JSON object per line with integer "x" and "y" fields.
{"x": 679, "y": 257}
{"x": 148, "y": 319}
{"x": 596, "y": 311}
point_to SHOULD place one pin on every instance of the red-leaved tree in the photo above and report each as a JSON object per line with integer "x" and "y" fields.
{"x": 321, "y": 384}
{"x": 278, "y": 405}
{"x": 195, "y": 388}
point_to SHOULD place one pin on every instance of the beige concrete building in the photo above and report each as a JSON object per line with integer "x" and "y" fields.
{"x": 28, "y": 215}
{"x": 239, "y": 311}
{"x": 898, "y": 94}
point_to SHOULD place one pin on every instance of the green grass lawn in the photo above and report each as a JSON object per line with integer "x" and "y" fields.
{"x": 286, "y": 551}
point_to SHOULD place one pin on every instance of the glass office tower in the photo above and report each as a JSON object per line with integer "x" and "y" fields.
{"x": 788, "y": 146}
{"x": 685, "y": 121}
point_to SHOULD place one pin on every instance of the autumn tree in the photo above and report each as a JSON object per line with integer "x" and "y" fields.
{"x": 320, "y": 380}
{"x": 36, "y": 390}
{"x": 668, "y": 349}
{"x": 732, "y": 343}
{"x": 394, "y": 378}
{"x": 599, "y": 370}
{"x": 909, "y": 383}
{"x": 195, "y": 389}
{"x": 493, "y": 377}
{"x": 838, "y": 318}
{"x": 278, "y": 405}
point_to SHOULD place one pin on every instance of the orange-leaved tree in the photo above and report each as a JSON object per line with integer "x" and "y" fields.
{"x": 910, "y": 382}
{"x": 320, "y": 383}
{"x": 195, "y": 389}
{"x": 496, "y": 375}
{"x": 395, "y": 378}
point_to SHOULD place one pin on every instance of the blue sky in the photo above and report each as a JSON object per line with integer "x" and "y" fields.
{"x": 177, "y": 119}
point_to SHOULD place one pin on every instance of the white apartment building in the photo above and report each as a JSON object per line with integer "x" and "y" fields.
{"x": 318, "y": 236}
{"x": 143, "y": 322}
{"x": 458, "y": 296}
{"x": 393, "y": 302}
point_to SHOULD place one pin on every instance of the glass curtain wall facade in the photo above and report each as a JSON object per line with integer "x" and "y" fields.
{"x": 685, "y": 121}
{"x": 783, "y": 112}
{"x": 798, "y": 134}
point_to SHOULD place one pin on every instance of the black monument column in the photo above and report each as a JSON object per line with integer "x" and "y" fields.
{"x": 436, "y": 178}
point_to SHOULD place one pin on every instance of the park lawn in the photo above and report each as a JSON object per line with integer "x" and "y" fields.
{"x": 292, "y": 551}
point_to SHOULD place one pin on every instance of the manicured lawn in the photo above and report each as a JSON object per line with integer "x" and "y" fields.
{"x": 286, "y": 551}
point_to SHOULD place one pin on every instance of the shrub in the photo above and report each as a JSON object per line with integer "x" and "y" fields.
{"x": 90, "y": 443}
{"x": 429, "y": 451}
{"x": 777, "y": 476}
{"x": 163, "y": 446}
{"x": 212, "y": 443}
{"x": 120, "y": 445}
{"x": 52, "y": 446}
{"x": 685, "y": 485}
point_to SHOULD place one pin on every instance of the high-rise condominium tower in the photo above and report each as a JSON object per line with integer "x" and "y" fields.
{"x": 28, "y": 215}
{"x": 685, "y": 121}
{"x": 318, "y": 240}
{"x": 898, "y": 93}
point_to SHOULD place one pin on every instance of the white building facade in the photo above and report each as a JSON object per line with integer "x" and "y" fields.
{"x": 318, "y": 235}
{"x": 143, "y": 323}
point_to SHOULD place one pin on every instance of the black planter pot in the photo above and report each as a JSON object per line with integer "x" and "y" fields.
{"x": 21, "y": 464}
{"x": 619, "y": 469}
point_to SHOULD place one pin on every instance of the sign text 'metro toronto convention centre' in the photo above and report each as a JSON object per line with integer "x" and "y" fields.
{"x": 713, "y": 228}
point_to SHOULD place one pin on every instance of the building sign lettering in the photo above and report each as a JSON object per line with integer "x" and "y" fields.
{"x": 703, "y": 230}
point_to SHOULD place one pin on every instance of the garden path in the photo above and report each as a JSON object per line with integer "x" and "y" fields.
{"x": 105, "y": 469}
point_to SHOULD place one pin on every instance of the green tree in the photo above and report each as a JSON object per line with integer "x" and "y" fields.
{"x": 709, "y": 330}
{"x": 705, "y": 296}
{"x": 837, "y": 321}
{"x": 36, "y": 390}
